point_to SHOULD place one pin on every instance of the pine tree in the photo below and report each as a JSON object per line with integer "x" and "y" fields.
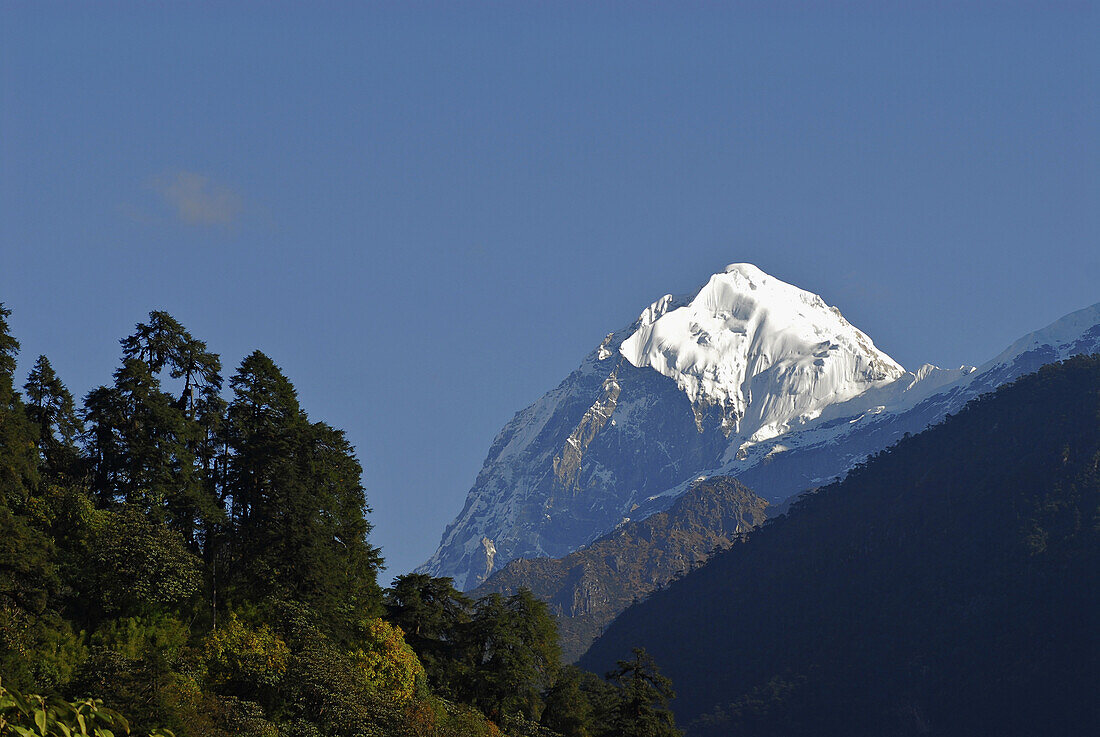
{"x": 156, "y": 464}
{"x": 297, "y": 504}
{"x": 19, "y": 461}
{"x": 643, "y": 710}
{"x": 27, "y": 571}
{"x": 579, "y": 703}
{"x": 153, "y": 450}
{"x": 163, "y": 343}
{"x": 516, "y": 655}
{"x": 50, "y": 407}
{"x": 432, "y": 614}
{"x": 103, "y": 444}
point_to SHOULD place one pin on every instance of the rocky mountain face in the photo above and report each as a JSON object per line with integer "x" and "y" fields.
{"x": 590, "y": 587}
{"x": 748, "y": 377}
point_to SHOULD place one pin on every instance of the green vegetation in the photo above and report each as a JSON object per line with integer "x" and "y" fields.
{"x": 31, "y": 715}
{"x": 194, "y": 553}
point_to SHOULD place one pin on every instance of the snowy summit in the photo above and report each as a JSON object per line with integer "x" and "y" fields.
{"x": 767, "y": 353}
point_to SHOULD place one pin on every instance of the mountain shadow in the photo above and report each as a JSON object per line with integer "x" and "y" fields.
{"x": 948, "y": 586}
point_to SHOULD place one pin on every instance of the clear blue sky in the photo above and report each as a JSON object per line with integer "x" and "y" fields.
{"x": 428, "y": 213}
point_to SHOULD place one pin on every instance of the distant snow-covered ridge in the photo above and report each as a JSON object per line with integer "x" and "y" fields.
{"x": 749, "y": 376}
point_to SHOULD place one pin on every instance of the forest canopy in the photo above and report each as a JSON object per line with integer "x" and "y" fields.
{"x": 186, "y": 554}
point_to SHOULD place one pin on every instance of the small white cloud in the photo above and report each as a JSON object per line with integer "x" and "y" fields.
{"x": 196, "y": 200}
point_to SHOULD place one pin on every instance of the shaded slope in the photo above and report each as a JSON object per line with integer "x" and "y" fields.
{"x": 590, "y": 587}
{"x": 951, "y": 585}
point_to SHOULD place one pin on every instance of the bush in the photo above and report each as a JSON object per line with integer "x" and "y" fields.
{"x": 37, "y": 716}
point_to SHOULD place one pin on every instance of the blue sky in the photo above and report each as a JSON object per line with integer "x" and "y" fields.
{"x": 428, "y": 213}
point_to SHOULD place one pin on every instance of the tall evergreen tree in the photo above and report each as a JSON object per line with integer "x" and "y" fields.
{"x": 514, "y": 644}
{"x": 18, "y": 452}
{"x": 156, "y": 465}
{"x": 579, "y": 704}
{"x": 163, "y": 343}
{"x": 103, "y": 444}
{"x": 297, "y": 504}
{"x": 50, "y": 407}
{"x": 151, "y": 449}
{"x": 335, "y": 477}
{"x": 643, "y": 710}
{"x": 433, "y": 615}
{"x": 27, "y": 570}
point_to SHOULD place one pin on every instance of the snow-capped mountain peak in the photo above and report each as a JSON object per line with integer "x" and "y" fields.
{"x": 749, "y": 376}
{"x": 763, "y": 351}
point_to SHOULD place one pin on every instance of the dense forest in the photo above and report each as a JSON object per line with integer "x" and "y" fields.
{"x": 181, "y": 554}
{"x": 948, "y": 586}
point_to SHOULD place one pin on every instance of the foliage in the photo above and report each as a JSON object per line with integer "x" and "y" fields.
{"x": 389, "y": 665}
{"x": 643, "y": 708}
{"x": 243, "y": 660}
{"x": 204, "y": 566}
{"x": 51, "y": 409}
{"x": 515, "y": 655}
{"x": 19, "y": 460}
{"x": 296, "y": 504}
{"x": 30, "y": 715}
{"x": 433, "y": 615}
{"x": 138, "y": 565}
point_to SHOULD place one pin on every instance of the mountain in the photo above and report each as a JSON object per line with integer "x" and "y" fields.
{"x": 950, "y": 586}
{"x": 749, "y": 377}
{"x": 761, "y": 352}
{"x": 590, "y": 587}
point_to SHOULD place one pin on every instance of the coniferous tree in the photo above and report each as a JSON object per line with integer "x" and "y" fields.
{"x": 340, "y": 508}
{"x": 163, "y": 344}
{"x": 577, "y": 705}
{"x": 27, "y": 569}
{"x": 433, "y": 615}
{"x": 156, "y": 465}
{"x": 156, "y": 342}
{"x": 19, "y": 465}
{"x": 50, "y": 407}
{"x": 149, "y": 448}
{"x": 643, "y": 709}
{"x": 515, "y": 651}
{"x": 264, "y": 426}
{"x": 297, "y": 504}
{"x": 103, "y": 445}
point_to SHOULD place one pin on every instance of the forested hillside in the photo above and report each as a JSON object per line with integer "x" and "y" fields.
{"x": 587, "y": 589}
{"x": 194, "y": 553}
{"x": 948, "y": 586}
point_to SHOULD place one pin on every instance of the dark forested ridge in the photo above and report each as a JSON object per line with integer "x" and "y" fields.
{"x": 194, "y": 553}
{"x": 587, "y": 589}
{"x": 948, "y": 586}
